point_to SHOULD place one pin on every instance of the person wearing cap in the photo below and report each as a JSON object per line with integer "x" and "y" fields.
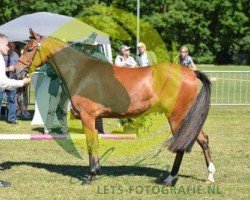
{"x": 124, "y": 59}
{"x": 145, "y": 58}
{"x": 5, "y": 82}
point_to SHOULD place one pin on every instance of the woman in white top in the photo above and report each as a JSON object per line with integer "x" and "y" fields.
{"x": 124, "y": 59}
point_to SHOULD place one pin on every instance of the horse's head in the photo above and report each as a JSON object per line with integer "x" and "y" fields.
{"x": 29, "y": 52}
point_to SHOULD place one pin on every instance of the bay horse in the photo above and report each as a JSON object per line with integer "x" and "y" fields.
{"x": 99, "y": 89}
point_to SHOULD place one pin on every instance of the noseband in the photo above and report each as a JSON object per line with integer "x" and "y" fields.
{"x": 25, "y": 70}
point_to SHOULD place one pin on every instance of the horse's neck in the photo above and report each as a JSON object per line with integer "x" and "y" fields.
{"x": 71, "y": 65}
{"x": 52, "y": 46}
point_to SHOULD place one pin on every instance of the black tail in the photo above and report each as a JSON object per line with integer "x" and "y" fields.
{"x": 191, "y": 125}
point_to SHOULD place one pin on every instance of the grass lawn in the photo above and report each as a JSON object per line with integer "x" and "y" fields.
{"x": 130, "y": 169}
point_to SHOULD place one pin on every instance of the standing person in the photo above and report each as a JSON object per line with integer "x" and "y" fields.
{"x": 124, "y": 59}
{"x": 22, "y": 101}
{"x": 5, "y": 82}
{"x": 58, "y": 102}
{"x": 145, "y": 58}
{"x": 186, "y": 60}
{"x": 10, "y": 60}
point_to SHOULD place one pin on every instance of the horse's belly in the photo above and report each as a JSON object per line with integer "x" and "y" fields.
{"x": 137, "y": 107}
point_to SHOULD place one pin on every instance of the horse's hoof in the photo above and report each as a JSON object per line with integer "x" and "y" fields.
{"x": 167, "y": 184}
{"x": 170, "y": 180}
{"x": 210, "y": 181}
{"x": 210, "y": 178}
{"x": 88, "y": 180}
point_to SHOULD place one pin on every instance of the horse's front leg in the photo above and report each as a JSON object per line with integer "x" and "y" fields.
{"x": 92, "y": 145}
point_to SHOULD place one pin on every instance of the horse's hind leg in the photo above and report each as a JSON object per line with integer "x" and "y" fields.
{"x": 174, "y": 172}
{"x": 203, "y": 141}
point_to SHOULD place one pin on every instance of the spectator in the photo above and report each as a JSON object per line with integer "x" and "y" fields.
{"x": 185, "y": 59}
{"x": 5, "y": 82}
{"x": 22, "y": 102}
{"x": 124, "y": 59}
{"x": 10, "y": 60}
{"x": 58, "y": 102}
{"x": 145, "y": 58}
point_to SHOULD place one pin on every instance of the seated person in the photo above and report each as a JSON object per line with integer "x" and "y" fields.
{"x": 124, "y": 59}
{"x": 145, "y": 58}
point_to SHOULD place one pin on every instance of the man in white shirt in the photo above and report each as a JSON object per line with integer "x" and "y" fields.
{"x": 10, "y": 60}
{"x": 124, "y": 59}
{"x": 5, "y": 82}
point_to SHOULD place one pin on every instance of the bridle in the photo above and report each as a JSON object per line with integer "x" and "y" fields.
{"x": 25, "y": 70}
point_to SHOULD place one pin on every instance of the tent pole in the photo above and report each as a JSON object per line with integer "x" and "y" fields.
{"x": 138, "y": 25}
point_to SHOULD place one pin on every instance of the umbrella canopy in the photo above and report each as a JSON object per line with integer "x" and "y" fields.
{"x": 50, "y": 24}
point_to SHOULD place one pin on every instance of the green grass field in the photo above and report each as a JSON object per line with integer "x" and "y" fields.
{"x": 133, "y": 169}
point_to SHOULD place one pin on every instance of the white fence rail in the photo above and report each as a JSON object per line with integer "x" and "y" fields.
{"x": 230, "y": 87}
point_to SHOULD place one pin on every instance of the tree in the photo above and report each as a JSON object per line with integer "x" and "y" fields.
{"x": 216, "y": 31}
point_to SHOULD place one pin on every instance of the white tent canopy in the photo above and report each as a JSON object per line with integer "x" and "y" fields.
{"x": 59, "y": 26}
{"x": 50, "y": 24}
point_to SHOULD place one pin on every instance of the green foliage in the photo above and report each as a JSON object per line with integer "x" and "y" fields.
{"x": 214, "y": 29}
{"x": 10, "y": 9}
{"x": 140, "y": 124}
{"x": 174, "y": 53}
{"x": 145, "y": 124}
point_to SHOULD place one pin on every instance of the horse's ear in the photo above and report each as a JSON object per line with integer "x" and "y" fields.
{"x": 33, "y": 34}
